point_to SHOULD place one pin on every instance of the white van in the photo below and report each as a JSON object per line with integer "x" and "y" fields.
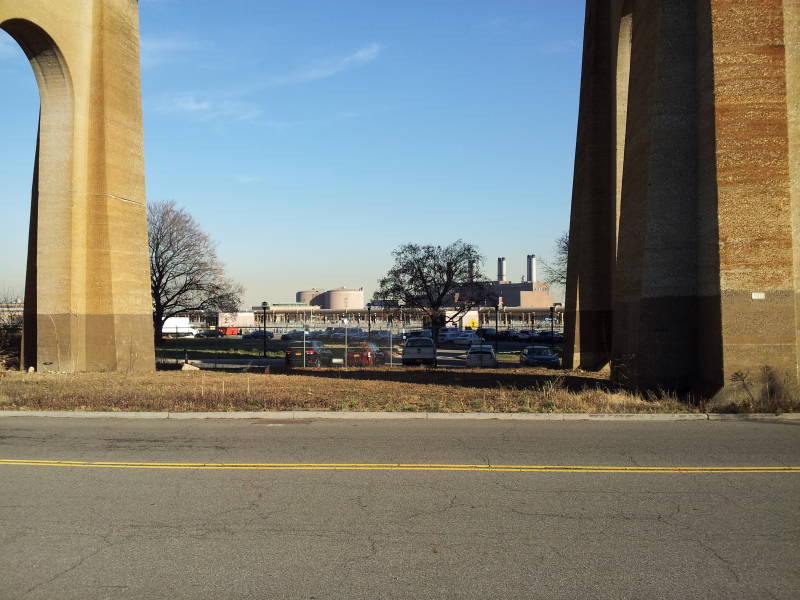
{"x": 419, "y": 351}
{"x": 178, "y": 327}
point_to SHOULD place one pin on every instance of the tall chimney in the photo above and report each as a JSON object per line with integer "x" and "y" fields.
{"x": 471, "y": 271}
{"x": 532, "y": 269}
{"x": 502, "y": 273}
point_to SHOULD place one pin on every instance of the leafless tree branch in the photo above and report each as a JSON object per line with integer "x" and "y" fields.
{"x": 185, "y": 271}
{"x": 436, "y": 280}
{"x": 556, "y": 271}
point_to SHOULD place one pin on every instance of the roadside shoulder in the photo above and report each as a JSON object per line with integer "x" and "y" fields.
{"x": 362, "y": 416}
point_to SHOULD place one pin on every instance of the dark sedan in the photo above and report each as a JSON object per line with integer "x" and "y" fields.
{"x": 295, "y": 334}
{"x": 209, "y": 333}
{"x": 540, "y": 356}
{"x": 258, "y": 334}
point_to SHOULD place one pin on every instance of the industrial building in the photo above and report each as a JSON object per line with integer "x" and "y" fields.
{"x": 529, "y": 293}
{"x": 280, "y": 317}
{"x": 521, "y": 304}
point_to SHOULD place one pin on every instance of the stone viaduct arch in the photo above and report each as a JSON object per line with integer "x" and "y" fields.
{"x": 87, "y": 292}
{"x": 684, "y": 264}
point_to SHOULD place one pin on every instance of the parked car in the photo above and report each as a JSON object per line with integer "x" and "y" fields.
{"x": 525, "y": 335}
{"x": 486, "y": 333}
{"x": 365, "y": 354}
{"x": 540, "y": 356}
{"x": 481, "y": 355}
{"x": 357, "y": 335}
{"x": 448, "y": 334}
{"x": 467, "y": 339}
{"x": 258, "y": 334}
{"x": 380, "y": 335}
{"x": 209, "y": 333}
{"x": 549, "y": 337}
{"x": 419, "y": 333}
{"x": 334, "y": 334}
{"x": 294, "y": 334}
{"x": 315, "y": 352}
{"x": 418, "y": 351}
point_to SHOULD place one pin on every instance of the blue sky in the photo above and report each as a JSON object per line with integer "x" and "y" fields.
{"x": 311, "y": 137}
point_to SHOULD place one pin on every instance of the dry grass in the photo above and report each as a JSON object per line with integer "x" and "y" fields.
{"x": 419, "y": 390}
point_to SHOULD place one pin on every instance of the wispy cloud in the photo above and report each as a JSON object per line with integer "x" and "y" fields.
{"x": 245, "y": 179}
{"x": 158, "y": 50}
{"x": 329, "y": 68}
{"x": 206, "y": 108}
{"x": 216, "y": 111}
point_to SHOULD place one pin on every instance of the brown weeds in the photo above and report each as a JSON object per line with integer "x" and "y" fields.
{"x": 364, "y": 390}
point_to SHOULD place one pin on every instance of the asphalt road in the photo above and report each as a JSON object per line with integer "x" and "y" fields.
{"x": 188, "y": 532}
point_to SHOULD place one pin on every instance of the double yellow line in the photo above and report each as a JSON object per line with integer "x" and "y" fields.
{"x": 389, "y": 467}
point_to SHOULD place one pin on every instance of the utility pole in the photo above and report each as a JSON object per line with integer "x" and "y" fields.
{"x": 496, "y": 324}
{"x": 264, "y": 306}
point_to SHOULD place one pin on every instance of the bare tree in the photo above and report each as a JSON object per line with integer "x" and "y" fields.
{"x": 556, "y": 271}
{"x": 434, "y": 279}
{"x": 10, "y": 329}
{"x": 185, "y": 272}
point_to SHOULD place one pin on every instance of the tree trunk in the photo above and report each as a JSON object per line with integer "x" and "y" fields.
{"x": 158, "y": 323}
{"x": 434, "y": 316}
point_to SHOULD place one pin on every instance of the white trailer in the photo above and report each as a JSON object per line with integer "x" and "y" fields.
{"x": 178, "y": 327}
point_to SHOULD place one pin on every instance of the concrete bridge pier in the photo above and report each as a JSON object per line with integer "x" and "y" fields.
{"x": 684, "y": 266}
{"x": 87, "y": 297}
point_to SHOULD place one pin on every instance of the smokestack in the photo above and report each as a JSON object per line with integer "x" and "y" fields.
{"x": 502, "y": 272}
{"x": 532, "y": 269}
{"x": 471, "y": 271}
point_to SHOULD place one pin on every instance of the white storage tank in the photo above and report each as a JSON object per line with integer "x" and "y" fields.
{"x": 344, "y": 299}
{"x": 312, "y": 297}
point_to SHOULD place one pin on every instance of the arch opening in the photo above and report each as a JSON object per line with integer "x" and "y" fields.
{"x": 51, "y": 181}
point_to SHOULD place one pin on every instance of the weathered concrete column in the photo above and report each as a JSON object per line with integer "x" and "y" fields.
{"x": 88, "y": 273}
{"x": 589, "y": 290}
{"x": 654, "y": 278}
{"x": 707, "y": 266}
{"x": 754, "y": 107}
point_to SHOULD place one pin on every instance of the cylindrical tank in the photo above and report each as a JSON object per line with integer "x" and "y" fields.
{"x": 502, "y": 272}
{"x": 309, "y": 297}
{"x": 533, "y": 276}
{"x": 344, "y": 299}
